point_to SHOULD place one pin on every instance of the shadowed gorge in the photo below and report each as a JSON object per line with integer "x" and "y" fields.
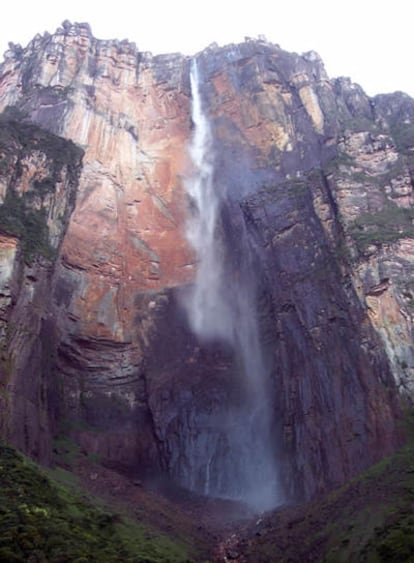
{"x": 205, "y": 266}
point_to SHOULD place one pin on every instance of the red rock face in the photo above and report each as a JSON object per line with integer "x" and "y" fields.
{"x": 131, "y": 116}
{"x": 130, "y": 113}
{"x": 124, "y": 372}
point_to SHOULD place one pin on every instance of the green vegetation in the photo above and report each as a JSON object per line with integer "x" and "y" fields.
{"x": 66, "y": 451}
{"x": 293, "y": 187}
{"x": 342, "y": 158}
{"x": 361, "y": 124}
{"x": 403, "y": 135}
{"x": 370, "y": 519}
{"x": 361, "y": 176}
{"x": 388, "y": 225}
{"x": 28, "y": 224}
{"x": 24, "y": 215}
{"x": 383, "y": 530}
{"x": 43, "y": 521}
{"x": 23, "y": 137}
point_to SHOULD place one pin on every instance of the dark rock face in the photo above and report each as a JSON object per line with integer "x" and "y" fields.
{"x": 317, "y": 185}
{"x": 39, "y": 178}
{"x": 331, "y": 379}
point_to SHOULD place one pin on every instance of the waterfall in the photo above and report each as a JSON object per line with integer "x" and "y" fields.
{"x": 238, "y": 457}
{"x": 208, "y": 309}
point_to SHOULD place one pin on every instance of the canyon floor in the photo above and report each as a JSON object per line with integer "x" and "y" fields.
{"x": 81, "y": 511}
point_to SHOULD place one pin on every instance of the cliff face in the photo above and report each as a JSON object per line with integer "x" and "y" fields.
{"x": 38, "y": 177}
{"x": 317, "y": 184}
{"x": 130, "y": 114}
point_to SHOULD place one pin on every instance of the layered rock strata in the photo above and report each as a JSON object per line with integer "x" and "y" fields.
{"x": 317, "y": 178}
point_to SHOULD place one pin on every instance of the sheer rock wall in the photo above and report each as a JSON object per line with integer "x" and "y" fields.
{"x": 317, "y": 181}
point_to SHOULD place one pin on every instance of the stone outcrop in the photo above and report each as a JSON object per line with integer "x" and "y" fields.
{"x": 317, "y": 180}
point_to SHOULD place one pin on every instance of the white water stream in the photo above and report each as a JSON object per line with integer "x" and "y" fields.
{"x": 208, "y": 309}
{"x": 241, "y": 464}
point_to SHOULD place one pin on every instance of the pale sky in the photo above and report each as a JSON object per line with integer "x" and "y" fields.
{"x": 370, "y": 41}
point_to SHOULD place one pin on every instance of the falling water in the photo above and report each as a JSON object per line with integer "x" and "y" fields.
{"x": 240, "y": 464}
{"x": 207, "y": 303}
